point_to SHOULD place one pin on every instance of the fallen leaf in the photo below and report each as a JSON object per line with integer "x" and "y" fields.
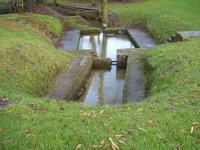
{"x": 94, "y": 115}
{"x": 101, "y": 112}
{"x": 119, "y": 135}
{"x": 141, "y": 129}
{"x": 114, "y": 146}
{"x": 150, "y": 121}
{"x": 120, "y": 141}
{"x": 29, "y": 133}
{"x": 108, "y": 118}
{"x": 191, "y": 130}
{"x": 102, "y": 142}
{"x": 2, "y": 130}
{"x": 79, "y": 145}
{"x": 156, "y": 101}
{"x": 194, "y": 123}
{"x": 10, "y": 110}
{"x": 95, "y": 146}
{"x": 69, "y": 118}
{"x": 30, "y": 149}
{"x": 84, "y": 114}
{"x": 130, "y": 118}
{"x": 154, "y": 124}
{"x": 175, "y": 137}
{"x": 88, "y": 121}
{"x": 130, "y": 132}
{"x": 140, "y": 109}
{"x": 6, "y": 141}
{"x": 129, "y": 108}
{"x": 190, "y": 104}
{"x": 198, "y": 141}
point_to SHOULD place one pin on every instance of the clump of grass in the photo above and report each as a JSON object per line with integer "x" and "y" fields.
{"x": 72, "y": 23}
{"x": 162, "y": 18}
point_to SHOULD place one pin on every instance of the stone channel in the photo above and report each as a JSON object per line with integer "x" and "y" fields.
{"x": 124, "y": 75}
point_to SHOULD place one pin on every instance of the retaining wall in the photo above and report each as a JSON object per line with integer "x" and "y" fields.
{"x": 67, "y": 87}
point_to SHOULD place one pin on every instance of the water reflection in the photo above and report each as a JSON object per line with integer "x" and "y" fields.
{"x": 105, "y": 44}
{"x": 104, "y": 87}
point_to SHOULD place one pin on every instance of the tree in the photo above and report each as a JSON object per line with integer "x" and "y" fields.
{"x": 54, "y": 3}
{"x": 21, "y": 6}
{"x": 104, "y": 12}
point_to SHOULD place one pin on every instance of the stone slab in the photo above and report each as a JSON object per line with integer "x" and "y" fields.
{"x": 134, "y": 89}
{"x": 90, "y": 30}
{"x": 70, "y": 40}
{"x": 122, "y": 56}
{"x": 68, "y": 85}
{"x": 182, "y": 35}
{"x": 114, "y": 30}
{"x": 141, "y": 38}
{"x": 101, "y": 63}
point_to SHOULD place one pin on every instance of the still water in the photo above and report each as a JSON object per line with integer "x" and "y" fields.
{"x": 105, "y": 86}
{"x": 105, "y": 44}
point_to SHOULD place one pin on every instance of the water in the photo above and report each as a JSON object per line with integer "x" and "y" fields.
{"x": 105, "y": 44}
{"x": 104, "y": 87}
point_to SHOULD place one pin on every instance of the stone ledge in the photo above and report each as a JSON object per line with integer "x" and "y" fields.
{"x": 68, "y": 86}
{"x": 122, "y": 56}
{"x": 101, "y": 63}
{"x": 69, "y": 41}
{"x": 90, "y": 30}
{"x": 182, "y": 35}
{"x": 134, "y": 89}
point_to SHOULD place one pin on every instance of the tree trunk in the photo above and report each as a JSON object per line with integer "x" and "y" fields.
{"x": 21, "y": 6}
{"x": 54, "y": 3}
{"x": 14, "y": 6}
{"x": 104, "y": 12}
{"x": 93, "y": 2}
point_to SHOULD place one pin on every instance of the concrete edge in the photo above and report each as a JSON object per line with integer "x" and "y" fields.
{"x": 183, "y": 35}
{"x": 90, "y": 30}
{"x": 134, "y": 88}
{"x": 114, "y": 30}
{"x": 122, "y": 56}
{"x": 132, "y": 39}
{"x": 68, "y": 85}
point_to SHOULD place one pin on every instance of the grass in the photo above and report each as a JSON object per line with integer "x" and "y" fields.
{"x": 162, "y": 18}
{"x": 72, "y": 22}
{"x": 29, "y": 60}
{"x": 167, "y": 119}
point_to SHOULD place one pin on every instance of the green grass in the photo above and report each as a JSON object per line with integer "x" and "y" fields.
{"x": 162, "y": 18}
{"x": 167, "y": 119}
{"x": 72, "y": 22}
{"x": 29, "y": 60}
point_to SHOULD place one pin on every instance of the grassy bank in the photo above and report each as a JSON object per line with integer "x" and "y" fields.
{"x": 167, "y": 119}
{"x": 29, "y": 60}
{"x": 162, "y": 18}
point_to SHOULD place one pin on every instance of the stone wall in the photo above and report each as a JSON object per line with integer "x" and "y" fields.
{"x": 67, "y": 87}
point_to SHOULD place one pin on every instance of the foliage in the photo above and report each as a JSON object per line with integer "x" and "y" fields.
{"x": 71, "y": 22}
{"x": 162, "y": 18}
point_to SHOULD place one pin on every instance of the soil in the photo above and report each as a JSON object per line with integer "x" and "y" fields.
{"x": 44, "y": 10}
{"x": 6, "y": 102}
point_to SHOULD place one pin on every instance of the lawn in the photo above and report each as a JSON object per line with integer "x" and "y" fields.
{"x": 167, "y": 119}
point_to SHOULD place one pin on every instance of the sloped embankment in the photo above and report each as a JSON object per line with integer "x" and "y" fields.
{"x": 29, "y": 60}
